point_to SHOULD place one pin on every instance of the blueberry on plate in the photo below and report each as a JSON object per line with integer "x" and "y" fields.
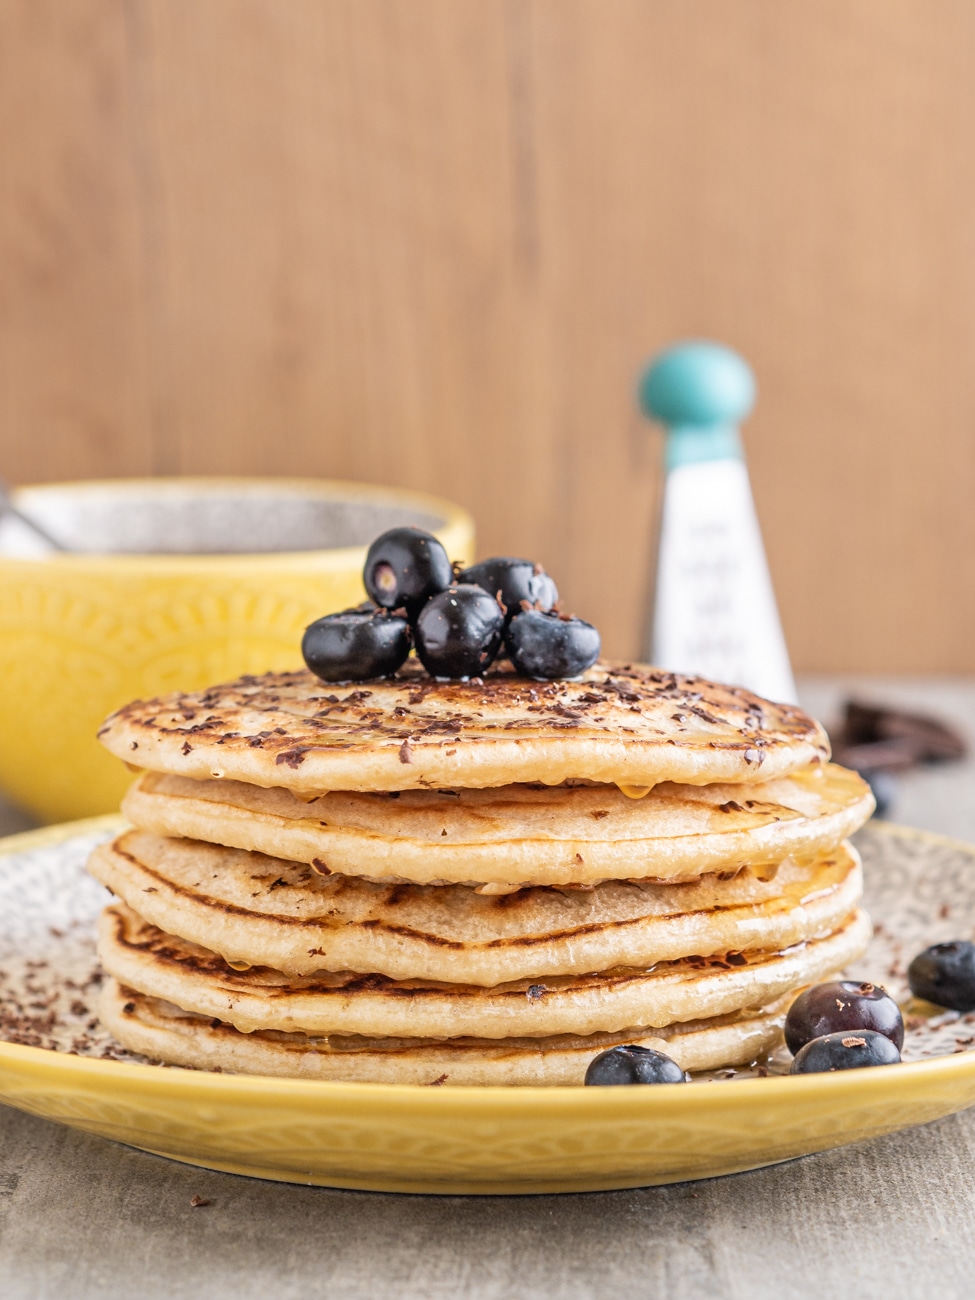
{"x": 945, "y": 975}
{"x": 404, "y": 568}
{"x": 546, "y": 646}
{"x": 356, "y": 644}
{"x": 513, "y": 581}
{"x": 458, "y": 632}
{"x": 842, "y": 1004}
{"x": 632, "y": 1064}
{"x": 848, "y": 1049}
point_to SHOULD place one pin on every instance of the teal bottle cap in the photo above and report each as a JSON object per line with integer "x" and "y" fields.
{"x": 697, "y": 385}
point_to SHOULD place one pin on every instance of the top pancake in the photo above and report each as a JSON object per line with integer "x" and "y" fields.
{"x": 624, "y": 723}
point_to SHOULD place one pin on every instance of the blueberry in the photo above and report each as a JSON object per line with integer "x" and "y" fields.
{"x": 549, "y": 645}
{"x": 356, "y": 644}
{"x": 632, "y": 1064}
{"x": 842, "y": 1005}
{"x": 458, "y": 632}
{"x": 849, "y": 1049}
{"x": 404, "y": 568}
{"x": 513, "y": 581}
{"x": 945, "y": 975}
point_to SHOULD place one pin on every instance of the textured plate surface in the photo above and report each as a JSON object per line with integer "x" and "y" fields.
{"x": 55, "y": 1062}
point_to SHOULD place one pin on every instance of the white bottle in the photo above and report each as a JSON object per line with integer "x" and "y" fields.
{"x": 714, "y": 609}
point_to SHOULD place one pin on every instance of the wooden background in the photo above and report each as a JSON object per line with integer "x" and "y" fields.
{"x": 430, "y": 242}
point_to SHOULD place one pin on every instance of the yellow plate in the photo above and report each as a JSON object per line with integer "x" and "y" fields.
{"x": 474, "y": 1140}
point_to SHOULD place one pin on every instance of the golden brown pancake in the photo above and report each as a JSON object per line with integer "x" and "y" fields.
{"x": 518, "y": 834}
{"x": 261, "y": 911}
{"x": 163, "y": 1032}
{"x": 191, "y": 977}
{"x": 628, "y": 724}
{"x": 440, "y": 882}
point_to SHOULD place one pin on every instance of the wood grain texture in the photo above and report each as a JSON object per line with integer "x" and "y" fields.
{"x": 431, "y": 244}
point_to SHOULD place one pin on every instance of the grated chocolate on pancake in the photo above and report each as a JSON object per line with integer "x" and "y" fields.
{"x": 625, "y": 723}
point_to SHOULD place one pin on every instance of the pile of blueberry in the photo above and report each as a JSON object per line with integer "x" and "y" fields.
{"x": 842, "y": 1025}
{"x": 459, "y": 620}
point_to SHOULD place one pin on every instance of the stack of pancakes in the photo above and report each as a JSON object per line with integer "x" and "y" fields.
{"x": 484, "y": 882}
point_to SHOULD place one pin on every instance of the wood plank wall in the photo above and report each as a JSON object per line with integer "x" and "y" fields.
{"x": 430, "y": 242}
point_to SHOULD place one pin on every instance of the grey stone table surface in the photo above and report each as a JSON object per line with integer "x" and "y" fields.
{"x": 894, "y": 1217}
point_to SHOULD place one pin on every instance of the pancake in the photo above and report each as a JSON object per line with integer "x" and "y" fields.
{"x": 628, "y": 724}
{"x": 163, "y": 1032}
{"x": 262, "y": 911}
{"x": 196, "y": 979}
{"x": 542, "y": 835}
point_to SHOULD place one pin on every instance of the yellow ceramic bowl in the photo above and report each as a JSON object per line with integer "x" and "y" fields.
{"x": 170, "y": 583}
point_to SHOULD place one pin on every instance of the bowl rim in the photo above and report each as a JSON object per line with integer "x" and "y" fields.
{"x": 453, "y": 517}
